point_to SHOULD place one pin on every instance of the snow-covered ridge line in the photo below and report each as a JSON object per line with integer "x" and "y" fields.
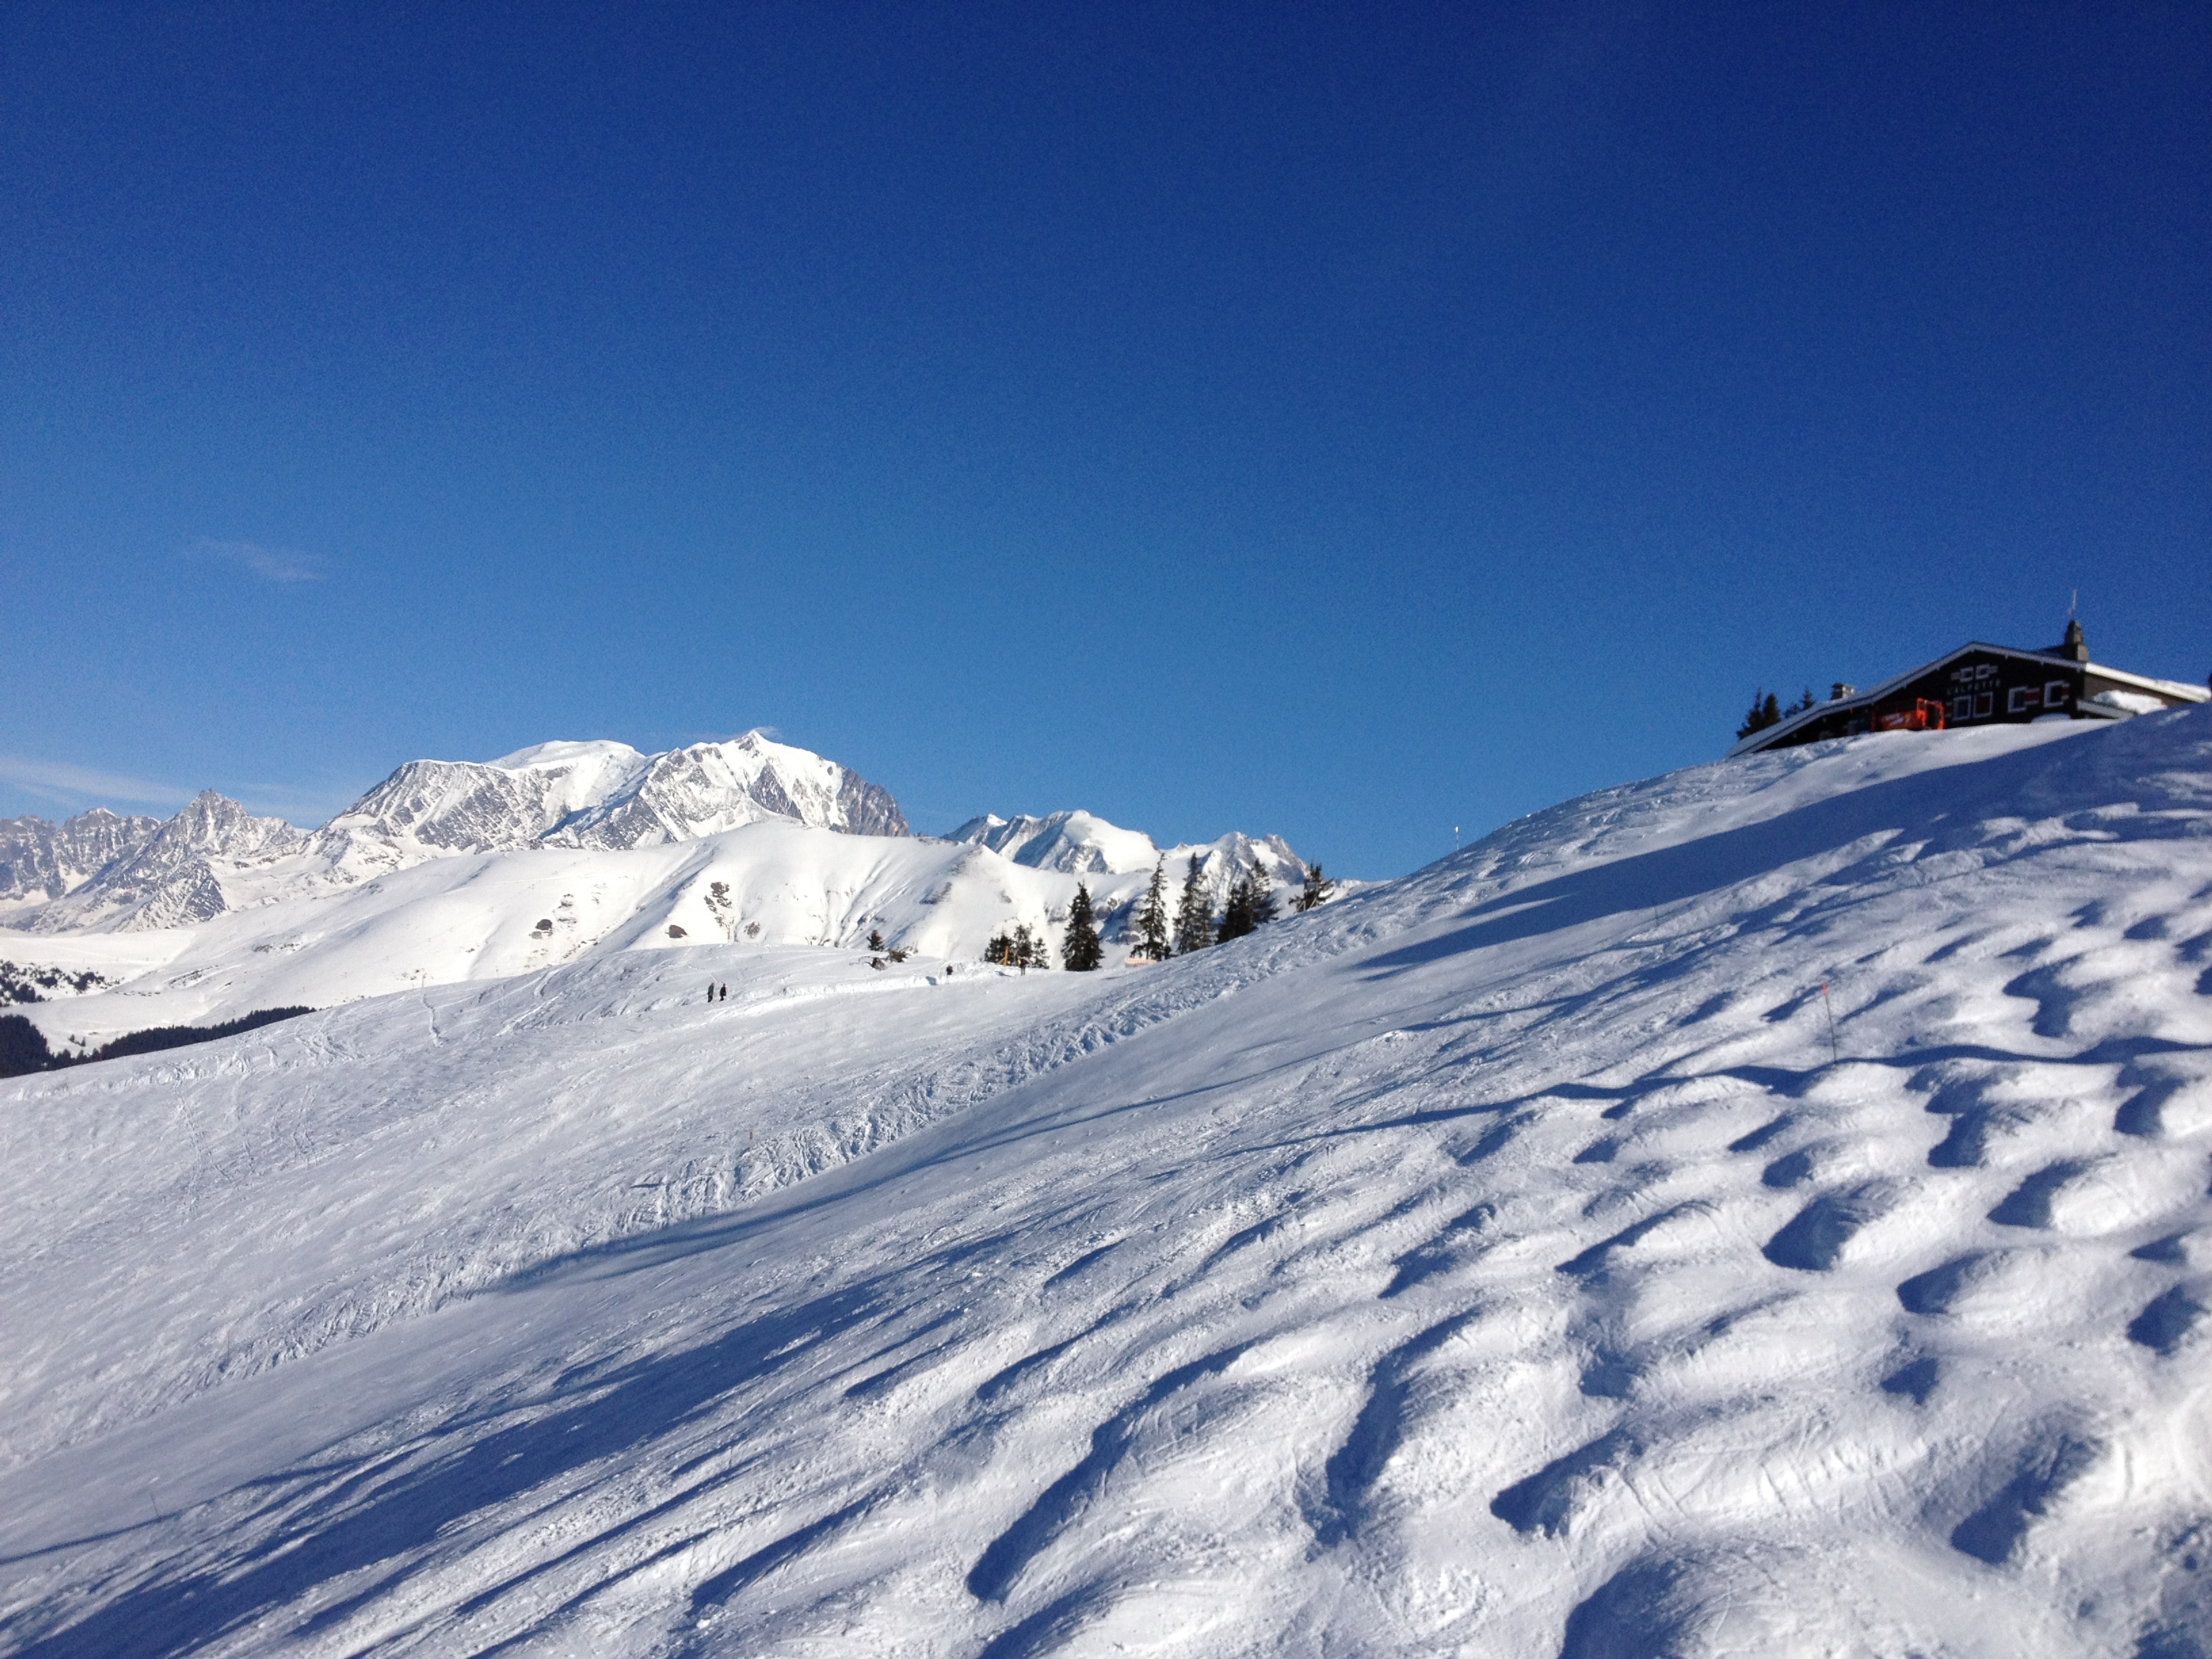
{"x": 475, "y": 916}
{"x": 215, "y": 856}
{"x": 41, "y": 861}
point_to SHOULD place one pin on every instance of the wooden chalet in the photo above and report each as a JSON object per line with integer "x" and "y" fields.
{"x": 1980, "y": 684}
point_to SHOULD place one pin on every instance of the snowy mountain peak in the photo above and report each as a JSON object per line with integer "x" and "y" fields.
{"x": 1077, "y": 842}
{"x": 215, "y": 856}
{"x": 564, "y": 753}
{"x": 40, "y": 861}
{"x": 708, "y": 787}
{"x": 177, "y": 877}
{"x": 1072, "y": 842}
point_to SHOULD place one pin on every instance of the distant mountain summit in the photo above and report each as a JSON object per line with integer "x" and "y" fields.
{"x": 604, "y": 795}
{"x": 1074, "y": 843}
{"x": 177, "y": 877}
{"x": 40, "y": 860}
{"x": 215, "y": 856}
{"x": 1082, "y": 843}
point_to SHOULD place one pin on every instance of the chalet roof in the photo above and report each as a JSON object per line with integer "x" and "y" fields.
{"x": 1765, "y": 737}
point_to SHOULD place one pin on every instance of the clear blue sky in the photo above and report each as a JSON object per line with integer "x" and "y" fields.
{"x": 1343, "y": 420}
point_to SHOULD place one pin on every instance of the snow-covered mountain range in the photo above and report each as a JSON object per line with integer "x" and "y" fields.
{"x": 215, "y": 857}
{"x": 452, "y": 870}
{"x": 1082, "y": 843}
{"x": 603, "y": 795}
{"x": 1758, "y": 1211}
{"x": 40, "y": 860}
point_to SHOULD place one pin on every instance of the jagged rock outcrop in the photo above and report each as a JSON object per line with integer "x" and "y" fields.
{"x": 430, "y": 809}
{"x": 41, "y": 861}
{"x": 180, "y": 875}
{"x": 713, "y": 786}
{"x": 1083, "y": 843}
{"x": 215, "y": 856}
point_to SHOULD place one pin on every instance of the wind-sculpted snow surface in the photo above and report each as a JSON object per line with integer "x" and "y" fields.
{"x": 1759, "y": 1211}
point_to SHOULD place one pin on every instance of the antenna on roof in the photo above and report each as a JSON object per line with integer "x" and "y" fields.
{"x": 2073, "y": 603}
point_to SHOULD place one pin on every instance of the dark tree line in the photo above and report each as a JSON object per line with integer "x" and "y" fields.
{"x": 23, "y": 1046}
{"x": 1193, "y": 926}
{"x": 1023, "y": 948}
{"x": 1766, "y": 710}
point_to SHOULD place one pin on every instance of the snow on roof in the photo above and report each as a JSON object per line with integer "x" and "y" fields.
{"x": 1765, "y": 736}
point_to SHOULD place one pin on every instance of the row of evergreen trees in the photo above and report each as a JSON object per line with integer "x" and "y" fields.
{"x": 1025, "y": 949}
{"x": 1251, "y": 906}
{"x": 1766, "y": 710}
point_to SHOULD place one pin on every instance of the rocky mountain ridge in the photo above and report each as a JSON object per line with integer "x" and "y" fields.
{"x": 215, "y": 856}
{"x": 1080, "y": 843}
{"x": 40, "y": 859}
{"x": 216, "y": 859}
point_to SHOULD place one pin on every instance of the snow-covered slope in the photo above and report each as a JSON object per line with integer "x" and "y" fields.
{"x": 486, "y": 916}
{"x": 1759, "y": 1211}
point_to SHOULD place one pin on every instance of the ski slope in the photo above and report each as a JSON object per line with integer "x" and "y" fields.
{"x": 1762, "y": 1210}
{"x": 491, "y": 916}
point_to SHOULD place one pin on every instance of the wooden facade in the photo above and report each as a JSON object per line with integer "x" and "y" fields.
{"x": 1980, "y": 684}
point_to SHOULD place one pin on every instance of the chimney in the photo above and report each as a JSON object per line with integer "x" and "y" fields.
{"x": 2072, "y": 646}
{"x": 1838, "y": 691}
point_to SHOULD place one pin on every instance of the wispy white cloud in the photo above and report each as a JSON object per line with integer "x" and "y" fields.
{"x": 58, "y": 781}
{"x": 276, "y": 564}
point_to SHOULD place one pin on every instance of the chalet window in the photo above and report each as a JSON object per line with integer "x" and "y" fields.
{"x": 1962, "y": 708}
{"x": 1985, "y": 705}
{"x": 2023, "y": 698}
{"x": 2058, "y": 694}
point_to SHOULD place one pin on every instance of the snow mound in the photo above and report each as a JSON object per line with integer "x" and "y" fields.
{"x": 1759, "y": 1210}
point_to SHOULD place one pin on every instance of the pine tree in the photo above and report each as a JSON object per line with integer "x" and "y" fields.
{"x": 1193, "y": 926}
{"x": 1263, "y": 895}
{"x": 1765, "y": 711}
{"x": 875, "y": 939}
{"x": 1236, "y": 915}
{"x": 1153, "y": 918}
{"x": 1317, "y": 891}
{"x": 1079, "y": 951}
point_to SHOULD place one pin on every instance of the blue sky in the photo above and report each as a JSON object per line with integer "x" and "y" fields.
{"x": 1345, "y": 422}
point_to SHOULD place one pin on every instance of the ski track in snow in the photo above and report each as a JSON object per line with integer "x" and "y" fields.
{"x": 1761, "y": 1209}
